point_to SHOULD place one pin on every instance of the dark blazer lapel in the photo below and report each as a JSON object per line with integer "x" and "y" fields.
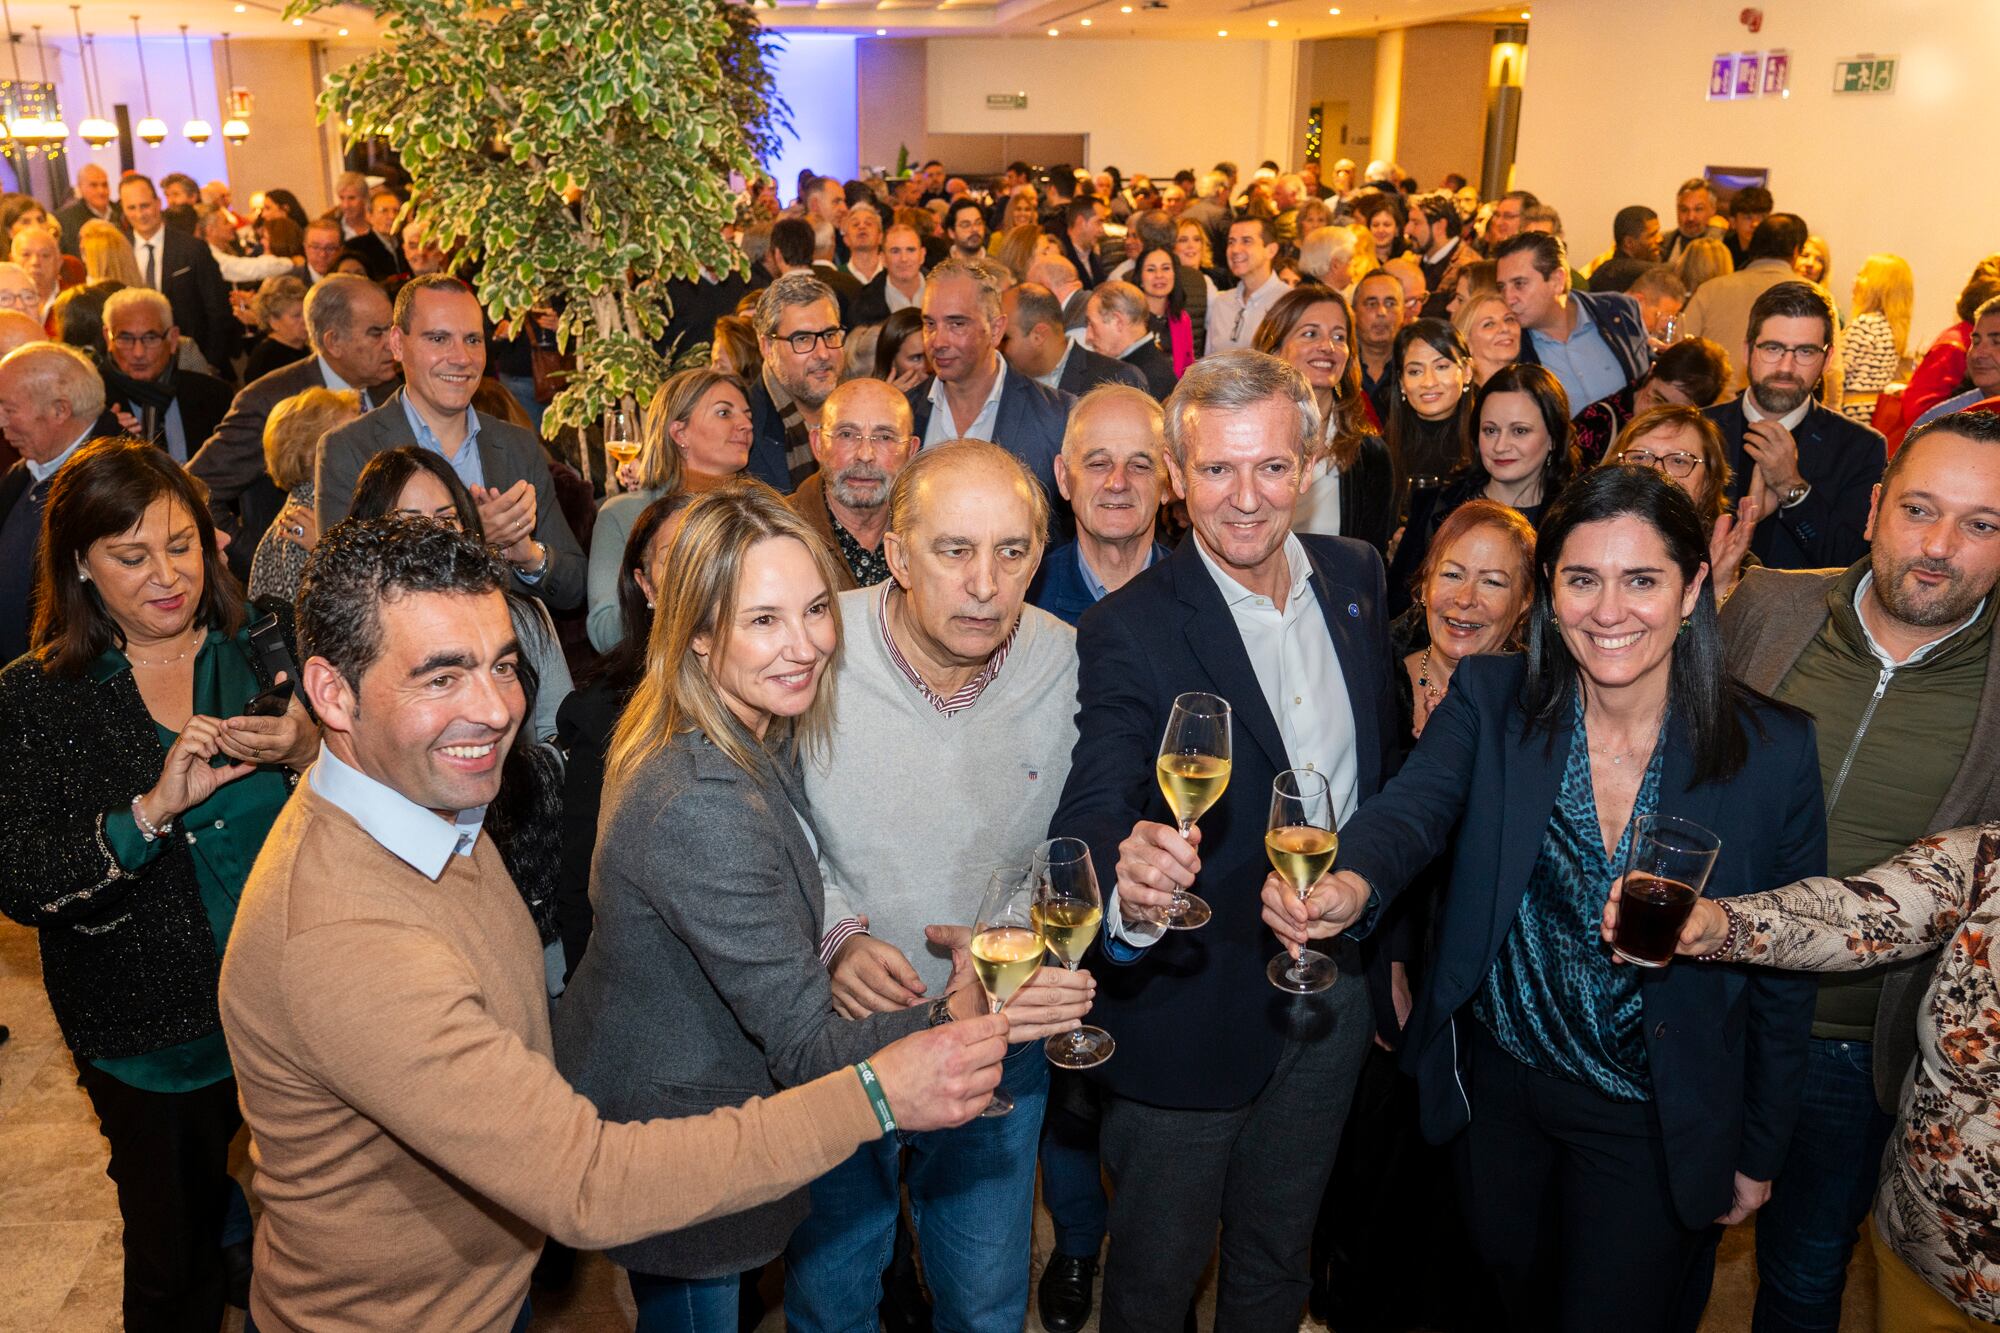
{"x": 1534, "y": 770}
{"x": 1341, "y": 606}
{"x": 1212, "y": 637}
{"x": 1012, "y": 404}
{"x": 1698, "y": 805}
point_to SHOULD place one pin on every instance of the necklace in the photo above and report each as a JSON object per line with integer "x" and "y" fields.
{"x": 1432, "y": 693}
{"x": 169, "y": 661}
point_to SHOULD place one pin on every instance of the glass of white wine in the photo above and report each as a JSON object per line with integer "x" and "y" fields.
{"x": 621, "y": 446}
{"x": 1068, "y": 910}
{"x": 1006, "y": 950}
{"x": 1301, "y": 842}
{"x": 1193, "y": 769}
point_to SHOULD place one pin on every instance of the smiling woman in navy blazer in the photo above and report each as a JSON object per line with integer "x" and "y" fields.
{"x": 1605, "y": 1116}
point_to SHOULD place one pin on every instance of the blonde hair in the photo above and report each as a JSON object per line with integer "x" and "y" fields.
{"x": 1886, "y": 285}
{"x": 296, "y": 426}
{"x": 1201, "y": 233}
{"x": 698, "y": 575}
{"x": 1017, "y": 249}
{"x": 661, "y": 467}
{"x": 1704, "y": 259}
{"x": 107, "y": 255}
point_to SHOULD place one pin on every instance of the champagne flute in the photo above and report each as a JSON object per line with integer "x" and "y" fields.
{"x": 1301, "y": 842}
{"x": 621, "y": 446}
{"x": 1193, "y": 769}
{"x": 1006, "y": 950}
{"x": 1068, "y": 910}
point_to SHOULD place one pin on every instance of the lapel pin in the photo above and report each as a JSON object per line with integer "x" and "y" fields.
{"x": 1354, "y": 609}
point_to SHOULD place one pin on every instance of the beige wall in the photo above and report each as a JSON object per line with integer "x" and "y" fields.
{"x": 287, "y": 147}
{"x": 1442, "y": 124}
{"x": 1340, "y": 71}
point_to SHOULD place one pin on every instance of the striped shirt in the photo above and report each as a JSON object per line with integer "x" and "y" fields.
{"x": 965, "y": 695}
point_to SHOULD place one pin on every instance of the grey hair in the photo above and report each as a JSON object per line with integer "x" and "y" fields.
{"x": 1211, "y": 181}
{"x": 330, "y": 305}
{"x": 1232, "y": 382}
{"x": 1110, "y": 394}
{"x": 795, "y": 288}
{"x": 822, "y": 236}
{"x": 1121, "y": 299}
{"x": 905, "y": 500}
{"x": 984, "y": 273}
{"x": 126, "y": 297}
{"x": 1322, "y": 246}
{"x": 59, "y": 371}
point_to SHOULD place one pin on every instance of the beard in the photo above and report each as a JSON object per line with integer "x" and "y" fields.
{"x": 842, "y": 486}
{"x": 1947, "y": 604}
{"x": 1777, "y": 396}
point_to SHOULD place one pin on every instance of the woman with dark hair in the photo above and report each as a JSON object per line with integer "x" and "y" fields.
{"x": 412, "y": 482}
{"x": 139, "y": 792}
{"x": 1429, "y": 412}
{"x": 282, "y": 204}
{"x": 1351, "y": 485}
{"x": 899, "y": 350}
{"x": 1158, "y": 272}
{"x": 585, "y": 721}
{"x": 1384, "y": 221}
{"x": 1606, "y": 1117}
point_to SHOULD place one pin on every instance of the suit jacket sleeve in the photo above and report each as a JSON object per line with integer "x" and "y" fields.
{"x": 717, "y": 874}
{"x": 342, "y": 455}
{"x": 232, "y": 459}
{"x": 218, "y": 338}
{"x": 1781, "y": 1003}
{"x": 1831, "y": 522}
{"x": 562, "y": 582}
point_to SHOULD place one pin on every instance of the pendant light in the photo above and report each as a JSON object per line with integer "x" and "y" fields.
{"x": 196, "y": 130}
{"x": 23, "y": 128}
{"x": 152, "y": 129}
{"x": 53, "y": 129}
{"x": 95, "y": 129}
{"x": 235, "y": 128}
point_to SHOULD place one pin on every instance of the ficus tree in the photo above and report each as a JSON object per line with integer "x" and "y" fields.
{"x": 580, "y": 151}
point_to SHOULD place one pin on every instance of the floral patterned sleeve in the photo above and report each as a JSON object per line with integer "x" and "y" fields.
{"x": 1903, "y": 908}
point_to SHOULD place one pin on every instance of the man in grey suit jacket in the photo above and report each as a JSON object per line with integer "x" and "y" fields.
{"x": 1897, "y": 661}
{"x": 439, "y": 335}
{"x": 347, "y": 324}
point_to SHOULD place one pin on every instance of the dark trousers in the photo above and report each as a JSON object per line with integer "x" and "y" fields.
{"x": 1806, "y": 1233}
{"x": 1072, "y": 1181}
{"x": 170, "y": 1162}
{"x": 1566, "y": 1197}
{"x": 1257, "y": 1169}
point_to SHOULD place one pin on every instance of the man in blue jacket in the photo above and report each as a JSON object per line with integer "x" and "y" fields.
{"x": 798, "y": 329}
{"x": 1594, "y": 343}
{"x": 1112, "y": 474}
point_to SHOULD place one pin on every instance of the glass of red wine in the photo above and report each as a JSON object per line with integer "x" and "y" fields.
{"x": 1667, "y": 861}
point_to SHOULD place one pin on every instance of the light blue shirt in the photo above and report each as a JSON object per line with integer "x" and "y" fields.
{"x": 339, "y": 385}
{"x": 414, "y": 834}
{"x": 1950, "y": 405}
{"x": 1585, "y": 365}
{"x": 466, "y": 463}
{"x": 43, "y": 471}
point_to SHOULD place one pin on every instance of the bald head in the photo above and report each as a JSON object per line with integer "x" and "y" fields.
{"x": 864, "y": 437}
{"x": 18, "y": 330}
{"x": 1113, "y": 468}
{"x": 49, "y": 395}
{"x": 93, "y": 186}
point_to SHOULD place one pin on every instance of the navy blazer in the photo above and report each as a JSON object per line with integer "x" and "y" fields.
{"x": 1726, "y": 1045}
{"x": 1197, "y": 1023}
{"x": 1622, "y": 327}
{"x": 767, "y": 441}
{"x": 1841, "y": 460}
{"x": 1059, "y": 587}
{"x": 1029, "y": 426}
{"x": 1083, "y": 370}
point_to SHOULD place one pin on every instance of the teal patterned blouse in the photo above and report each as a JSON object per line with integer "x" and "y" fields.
{"x": 1554, "y": 1000}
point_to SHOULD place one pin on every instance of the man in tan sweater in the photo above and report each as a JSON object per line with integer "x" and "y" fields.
{"x": 384, "y": 1000}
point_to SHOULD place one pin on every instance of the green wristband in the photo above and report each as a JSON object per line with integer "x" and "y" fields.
{"x": 876, "y": 1098}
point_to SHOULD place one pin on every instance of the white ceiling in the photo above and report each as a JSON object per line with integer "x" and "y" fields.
{"x": 1287, "y": 19}
{"x": 111, "y": 20}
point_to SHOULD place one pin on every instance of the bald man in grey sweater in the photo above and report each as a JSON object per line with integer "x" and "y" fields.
{"x": 954, "y": 723}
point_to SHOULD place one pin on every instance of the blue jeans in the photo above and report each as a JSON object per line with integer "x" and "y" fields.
{"x": 1806, "y": 1233}
{"x": 1072, "y": 1177}
{"x": 685, "y": 1304}
{"x": 972, "y": 1197}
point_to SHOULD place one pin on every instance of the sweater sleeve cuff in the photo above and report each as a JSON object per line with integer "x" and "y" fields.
{"x": 839, "y": 933}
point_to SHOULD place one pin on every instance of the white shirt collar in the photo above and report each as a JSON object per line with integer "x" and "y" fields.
{"x": 1861, "y": 591}
{"x": 1053, "y": 380}
{"x": 43, "y": 471}
{"x": 1235, "y": 594}
{"x": 1137, "y": 343}
{"x": 938, "y": 403}
{"x": 414, "y": 834}
{"x": 333, "y": 380}
{"x": 1791, "y": 419}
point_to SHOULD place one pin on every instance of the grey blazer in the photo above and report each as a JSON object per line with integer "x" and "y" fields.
{"x": 507, "y": 454}
{"x": 702, "y": 986}
{"x": 1766, "y": 624}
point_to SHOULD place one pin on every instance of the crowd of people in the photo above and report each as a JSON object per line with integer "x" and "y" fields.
{"x": 539, "y": 855}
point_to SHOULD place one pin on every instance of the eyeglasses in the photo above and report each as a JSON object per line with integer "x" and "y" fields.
{"x": 128, "y": 341}
{"x": 850, "y": 437}
{"x": 1803, "y": 353}
{"x": 1676, "y": 464}
{"x": 802, "y": 342}
{"x": 24, "y": 302}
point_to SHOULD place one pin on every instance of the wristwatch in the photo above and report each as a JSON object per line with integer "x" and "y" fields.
{"x": 940, "y": 1011}
{"x": 1796, "y": 494}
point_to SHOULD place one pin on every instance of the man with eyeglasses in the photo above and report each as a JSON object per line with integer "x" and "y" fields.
{"x": 1720, "y": 310}
{"x": 1234, "y": 315}
{"x": 1811, "y": 469}
{"x": 861, "y": 440}
{"x": 145, "y": 394}
{"x": 18, "y": 291}
{"x": 798, "y": 329}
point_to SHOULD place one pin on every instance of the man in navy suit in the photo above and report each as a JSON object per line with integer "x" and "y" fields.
{"x": 1036, "y": 346}
{"x": 975, "y": 395}
{"x": 1226, "y": 1097}
{"x": 1112, "y": 474}
{"x": 1811, "y": 470}
{"x": 799, "y": 331}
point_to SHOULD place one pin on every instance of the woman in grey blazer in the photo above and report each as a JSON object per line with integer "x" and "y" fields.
{"x": 702, "y": 987}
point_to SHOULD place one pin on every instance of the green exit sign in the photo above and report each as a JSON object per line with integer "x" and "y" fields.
{"x": 1865, "y": 74}
{"x": 1006, "y": 101}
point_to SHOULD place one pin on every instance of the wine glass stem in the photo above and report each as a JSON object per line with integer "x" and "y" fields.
{"x": 1180, "y": 904}
{"x": 1075, "y": 1042}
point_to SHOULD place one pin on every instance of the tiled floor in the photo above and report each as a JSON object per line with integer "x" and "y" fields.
{"x": 59, "y": 1255}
